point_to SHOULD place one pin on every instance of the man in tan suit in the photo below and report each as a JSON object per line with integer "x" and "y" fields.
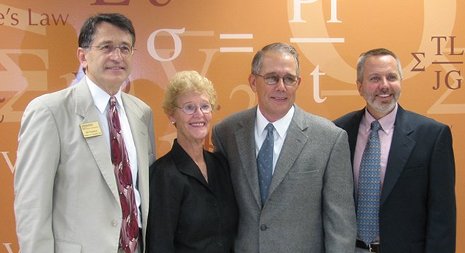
{"x": 66, "y": 194}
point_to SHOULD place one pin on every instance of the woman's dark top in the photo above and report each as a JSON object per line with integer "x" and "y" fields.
{"x": 186, "y": 213}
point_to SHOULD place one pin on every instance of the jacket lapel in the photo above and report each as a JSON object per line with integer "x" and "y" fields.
{"x": 401, "y": 147}
{"x": 292, "y": 147}
{"x": 246, "y": 149}
{"x": 140, "y": 137}
{"x": 97, "y": 145}
{"x": 184, "y": 163}
{"x": 352, "y": 132}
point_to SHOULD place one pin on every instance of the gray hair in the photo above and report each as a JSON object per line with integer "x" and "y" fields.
{"x": 275, "y": 47}
{"x": 375, "y": 52}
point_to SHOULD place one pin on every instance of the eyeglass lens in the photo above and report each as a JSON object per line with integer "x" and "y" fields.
{"x": 273, "y": 79}
{"x": 192, "y": 108}
{"x": 109, "y": 48}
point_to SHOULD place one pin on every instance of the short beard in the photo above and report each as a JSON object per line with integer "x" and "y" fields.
{"x": 382, "y": 108}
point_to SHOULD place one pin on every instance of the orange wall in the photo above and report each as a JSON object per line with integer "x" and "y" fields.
{"x": 38, "y": 55}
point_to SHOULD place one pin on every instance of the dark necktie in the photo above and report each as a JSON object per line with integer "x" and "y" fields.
{"x": 265, "y": 163}
{"x": 369, "y": 188}
{"x": 119, "y": 157}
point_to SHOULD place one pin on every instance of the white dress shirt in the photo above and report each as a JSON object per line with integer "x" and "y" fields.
{"x": 101, "y": 99}
{"x": 279, "y": 133}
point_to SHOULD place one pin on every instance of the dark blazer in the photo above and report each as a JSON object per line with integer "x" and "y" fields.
{"x": 187, "y": 214}
{"x": 417, "y": 210}
{"x": 310, "y": 208}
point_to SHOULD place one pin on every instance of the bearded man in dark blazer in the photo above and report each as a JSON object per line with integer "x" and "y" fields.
{"x": 416, "y": 205}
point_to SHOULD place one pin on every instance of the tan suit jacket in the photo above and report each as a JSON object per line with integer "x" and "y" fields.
{"x": 310, "y": 206}
{"x": 66, "y": 198}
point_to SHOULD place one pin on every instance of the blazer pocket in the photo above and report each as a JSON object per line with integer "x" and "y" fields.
{"x": 67, "y": 247}
{"x": 307, "y": 179}
{"x": 310, "y": 182}
{"x": 299, "y": 173}
{"x": 414, "y": 171}
{"x": 417, "y": 247}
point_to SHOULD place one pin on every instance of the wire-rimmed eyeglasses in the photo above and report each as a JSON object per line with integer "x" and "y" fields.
{"x": 191, "y": 108}
{"x": 124, "y": 49}
{"x": 273, "y": 79}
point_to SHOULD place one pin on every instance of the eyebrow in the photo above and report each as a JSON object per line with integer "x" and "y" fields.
{"x": 112, "y": 42}
{"x": 275, "y": 73}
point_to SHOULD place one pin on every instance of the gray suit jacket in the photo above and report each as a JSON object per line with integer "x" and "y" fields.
{"x": 66, "y": 198}
{"x": 310, "y": 206}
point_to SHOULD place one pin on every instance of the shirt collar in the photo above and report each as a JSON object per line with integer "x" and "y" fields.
{"x": 386, "y": 122}
{"x": 100, "y": 97}
{"x": 281, "y": 125}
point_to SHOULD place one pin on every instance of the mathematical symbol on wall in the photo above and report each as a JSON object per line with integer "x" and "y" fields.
{"x": 3, "y": 116}
{"x": 317, "y": 40}
{"x": 236, "y": 36}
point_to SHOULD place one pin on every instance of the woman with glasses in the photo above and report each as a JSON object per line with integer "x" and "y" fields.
{"x": 192, "y": 204}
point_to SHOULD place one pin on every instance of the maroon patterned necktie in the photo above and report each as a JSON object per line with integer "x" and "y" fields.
{"x": 119, "y": 157}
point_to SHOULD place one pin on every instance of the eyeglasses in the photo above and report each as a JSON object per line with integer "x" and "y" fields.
{"x": 191, "y": 108}
{"x": 125, "y": 50}
{"x": 273, "y": 79}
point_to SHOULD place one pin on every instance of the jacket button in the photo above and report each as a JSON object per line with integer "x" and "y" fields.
{"x": 263, "y": 227}
{"x": 114, "y": 223}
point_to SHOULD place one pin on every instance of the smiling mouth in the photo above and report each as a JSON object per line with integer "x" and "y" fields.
{"x": 116, "y": 68}
{"x": 279, "y": 98}
{"x": 198, "y": 124}
{"x": 384, "y": 95}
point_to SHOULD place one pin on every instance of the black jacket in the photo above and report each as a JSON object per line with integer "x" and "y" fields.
{"x": 187, "y": 214}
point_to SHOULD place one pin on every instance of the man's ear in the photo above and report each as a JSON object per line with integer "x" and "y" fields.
{"x": 359, "y": 87}
{"x": 252, "y": 82}
{"x": 81, "y": 55}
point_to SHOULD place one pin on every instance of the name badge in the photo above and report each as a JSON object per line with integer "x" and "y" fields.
{"x": 90, "y": 129}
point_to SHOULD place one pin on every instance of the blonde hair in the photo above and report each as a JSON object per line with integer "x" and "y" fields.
{"x": 187, "y": 81}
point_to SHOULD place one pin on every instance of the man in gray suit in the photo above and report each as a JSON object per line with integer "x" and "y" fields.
{"x": 308, "y": 205}
{"x": 67, "y": 198}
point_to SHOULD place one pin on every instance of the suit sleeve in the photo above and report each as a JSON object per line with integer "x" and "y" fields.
{"x": 216, "y": 140}
{"x": 441, "y": 224}
{"x": 338, "y": 202}
{"x": 36, "y": 165}
{"x": 165, "y": 203}
{"x": 151, "y": 130}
